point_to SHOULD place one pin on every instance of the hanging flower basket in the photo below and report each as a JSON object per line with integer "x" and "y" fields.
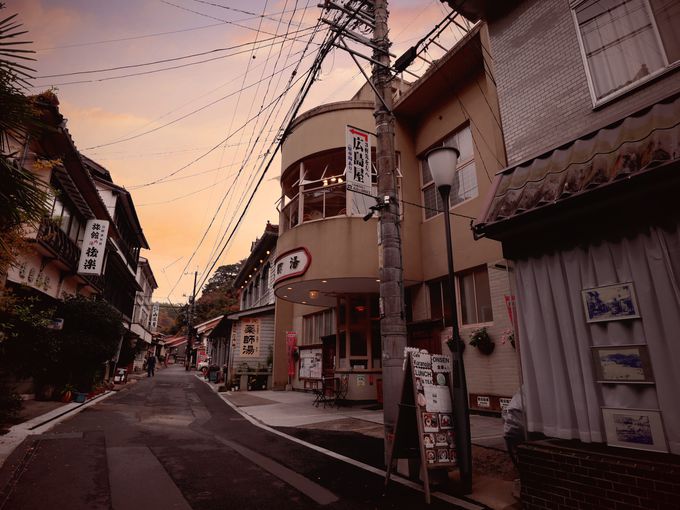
{"x": 480, "y": 338}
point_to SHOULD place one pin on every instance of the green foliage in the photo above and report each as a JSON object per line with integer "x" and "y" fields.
{"x": 481, "y": 339}
{"x": 90, "y": 336}
{"x": 218, "y": 297}
{"x": 10, "y": 402}
{"x": 22, "y": 195}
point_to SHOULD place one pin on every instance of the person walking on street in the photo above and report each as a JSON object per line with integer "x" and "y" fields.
{"x": 150, "y": 365}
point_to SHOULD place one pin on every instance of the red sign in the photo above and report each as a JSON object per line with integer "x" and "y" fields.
{"x": 291, "y": 343}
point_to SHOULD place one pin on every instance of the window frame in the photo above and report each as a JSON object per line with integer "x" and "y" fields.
{"x": 459, "y": 301}
{"x": 668, "y": 67}
{"x": 461, "y": 166}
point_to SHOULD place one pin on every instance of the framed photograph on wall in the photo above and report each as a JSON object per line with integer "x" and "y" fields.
{"x": 622, "y": 364}
{"x": 639, "y": 429}
{"x": 610, "y": 302}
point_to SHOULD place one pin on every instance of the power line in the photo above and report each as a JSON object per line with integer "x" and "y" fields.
{"x": 196, "y": 160}
{"x": 213, "y": 17}
{"x": 131, "y": 38}
{"x": 187, "y": 103}
{"x": 185, "y": 195}
{"x": 182, "y": 117}
{"x": 165, "y": 60}
{"x": 311, "y": 76}
{"x": 261, "y": 16}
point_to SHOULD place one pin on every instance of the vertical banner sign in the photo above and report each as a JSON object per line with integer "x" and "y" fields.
{"x": 358, "y": 174}
{"x": 250, "y": 337}
{"x": 94, "y": 247}
{"x": 291, "y": 343}
{"x": 511, "y": 305}
{"x": 153, "y": 324}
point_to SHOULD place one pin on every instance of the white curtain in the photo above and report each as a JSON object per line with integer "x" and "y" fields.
{"x": 620, "y": 43}
{"x": 562, "y": 398}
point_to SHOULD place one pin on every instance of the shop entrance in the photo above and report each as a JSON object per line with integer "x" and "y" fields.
{"x": 328, "y": 356}
{"x": 426, "y": 335}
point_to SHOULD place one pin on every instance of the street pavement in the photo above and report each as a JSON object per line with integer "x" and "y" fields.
{"x": 171, "y": 442}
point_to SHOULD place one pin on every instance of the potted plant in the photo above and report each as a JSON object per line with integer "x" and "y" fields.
{"x": 67, "y": 393}
{"x": 480, "y": 338}
{"x": 508, "y": 336}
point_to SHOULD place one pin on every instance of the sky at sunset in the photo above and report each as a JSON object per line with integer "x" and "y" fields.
{"x": 189, "y": 121}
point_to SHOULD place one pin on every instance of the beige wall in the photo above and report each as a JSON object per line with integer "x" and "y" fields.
{"x": 323, "y": 128}
{"x": 341, "y": 247}
{"x": 347, "y": 247}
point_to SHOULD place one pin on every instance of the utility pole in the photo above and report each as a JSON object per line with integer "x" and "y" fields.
{"x": 190, "y": 324}
{"x": 392, "y": 323}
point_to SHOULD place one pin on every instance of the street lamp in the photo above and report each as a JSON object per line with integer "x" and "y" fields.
{"x": 442, "y": 162}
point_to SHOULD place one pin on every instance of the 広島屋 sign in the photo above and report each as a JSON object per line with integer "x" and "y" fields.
{"x": 358, "y": 174}
{"x": 94, "y": 247}
{"x": 250, "y": 337}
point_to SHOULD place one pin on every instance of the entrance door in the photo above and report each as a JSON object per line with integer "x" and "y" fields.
{"x": 328, "y": 356}
{"x": 426, "y": 336}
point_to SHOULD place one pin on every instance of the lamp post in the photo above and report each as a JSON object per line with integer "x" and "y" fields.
{"x": 442, "y": 162}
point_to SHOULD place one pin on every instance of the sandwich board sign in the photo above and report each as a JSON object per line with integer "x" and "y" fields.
{"x": 424, "y": 426}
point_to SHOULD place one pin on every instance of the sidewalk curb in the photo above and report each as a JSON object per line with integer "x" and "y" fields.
{"x": 468, "y": 505}
{"x": 41, "y": 424}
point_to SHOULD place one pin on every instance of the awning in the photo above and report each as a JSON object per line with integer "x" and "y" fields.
{"x": 622, "y": 151}
{"x": 251, "y": 311}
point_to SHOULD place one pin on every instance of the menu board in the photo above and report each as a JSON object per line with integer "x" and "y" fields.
{"x": 310, "y": 364}
{"x": 431, "y": 379}
{"x": 425, "y": 428}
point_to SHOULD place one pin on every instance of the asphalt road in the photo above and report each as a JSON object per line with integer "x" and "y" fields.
{"x": 170, "y": 442}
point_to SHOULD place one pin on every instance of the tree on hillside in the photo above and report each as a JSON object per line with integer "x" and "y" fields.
{"x": 22, "y": 196}
{"x": 218, "y": 297}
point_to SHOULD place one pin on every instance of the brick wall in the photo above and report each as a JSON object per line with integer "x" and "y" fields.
{"x": 542, "y": 85}
{"x": 561, "y": 475}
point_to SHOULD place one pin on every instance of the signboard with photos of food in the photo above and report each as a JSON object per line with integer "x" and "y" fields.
{"x": 431, "y": 380}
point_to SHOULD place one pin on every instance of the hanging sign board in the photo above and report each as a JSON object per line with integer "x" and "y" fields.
{"x": 153, "y": 323}
{"x": 358, "y": 171}
{"x": 250, "y": 338}
{"x": 424, "y": 426}
{"x": 292, "y": 263}
{"x": 94, "y": 247}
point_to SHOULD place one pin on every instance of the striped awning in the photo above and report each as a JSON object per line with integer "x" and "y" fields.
{"x": 626, "y": 149}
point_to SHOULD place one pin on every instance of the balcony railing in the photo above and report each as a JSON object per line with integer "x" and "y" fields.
{"x": 317, "y": 204}
{"x": 50, "y": 235}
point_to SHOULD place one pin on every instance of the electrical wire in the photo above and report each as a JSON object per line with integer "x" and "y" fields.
{"x": 212, "y": 149}
{"x": 166, "y": 60}
{"x": 186, "y": 115}
{"x": 186, "y": 194}
{"x": 311, "y": 76}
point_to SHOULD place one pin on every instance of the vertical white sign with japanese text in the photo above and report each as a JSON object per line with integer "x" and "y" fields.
{"x": 250, "y": 337}
{"x": 153, "y": 324}
{"x": 94, "y": 247}
{"x": 358, "y": 175}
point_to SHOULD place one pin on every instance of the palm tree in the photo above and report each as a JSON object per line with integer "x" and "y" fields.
{"x": 22, "y": 195}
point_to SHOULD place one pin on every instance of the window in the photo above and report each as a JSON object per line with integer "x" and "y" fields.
{"x": 440, "y": 300}
{"x": 466, "y": 175}
{"x": 625, "y": 42}
{"x": 475, "y": 296}
{"x": 317, "y": 325}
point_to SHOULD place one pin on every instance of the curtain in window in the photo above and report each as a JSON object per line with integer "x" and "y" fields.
{"x": 561, "y": 398}
{"x": 620, "y": 43}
